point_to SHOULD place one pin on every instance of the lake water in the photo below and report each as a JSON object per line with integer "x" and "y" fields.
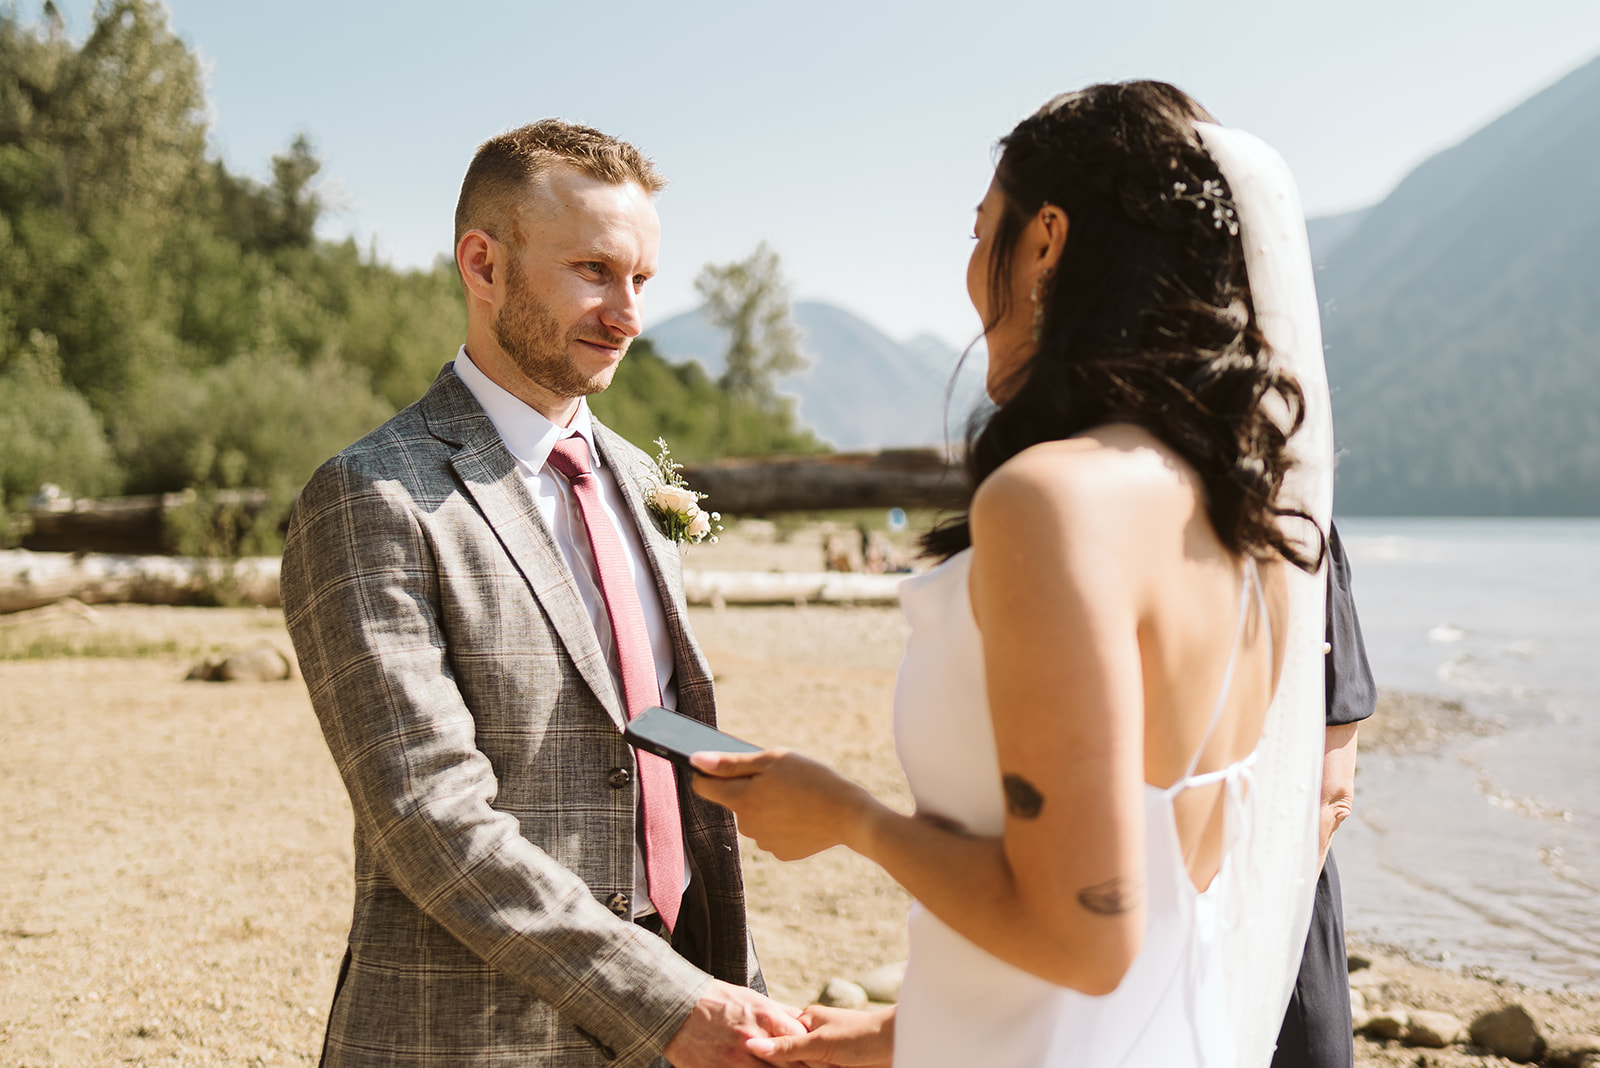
{"x": 1484, "y": 853}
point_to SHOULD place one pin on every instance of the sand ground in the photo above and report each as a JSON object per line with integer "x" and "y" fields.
{"x": 175, "y": 856}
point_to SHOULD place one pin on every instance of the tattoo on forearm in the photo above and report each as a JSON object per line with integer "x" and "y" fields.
{"x": 1111, "y": 898}
{"x": 1023, "y": 799}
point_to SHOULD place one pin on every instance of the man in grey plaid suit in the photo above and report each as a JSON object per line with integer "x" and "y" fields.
{"x": 443, "y": 603}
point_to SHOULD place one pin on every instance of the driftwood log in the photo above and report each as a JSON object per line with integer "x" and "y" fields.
{"x": 718, "y": 588}
{"x": 30, "y": 579}
{"x": 108, "y": 552}
{"x": 905, "y": 478}
{"x": 126, "y": 525}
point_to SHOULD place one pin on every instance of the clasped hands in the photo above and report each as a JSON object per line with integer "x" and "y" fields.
{"x": 793, "y": 807}
{"x": 732, "y": 1027}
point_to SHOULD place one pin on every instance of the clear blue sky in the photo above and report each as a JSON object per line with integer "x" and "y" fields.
{"x": 854, "y": 137}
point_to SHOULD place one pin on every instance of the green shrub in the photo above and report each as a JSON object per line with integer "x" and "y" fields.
{"x": 255, "y": 420}
{"x": 48, "y": 431}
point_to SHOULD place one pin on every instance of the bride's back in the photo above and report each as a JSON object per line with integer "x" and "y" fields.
{"x": 1209, "y": 658}
{"x": 1127, "y": 491}
{"x": 1125, "y": 562}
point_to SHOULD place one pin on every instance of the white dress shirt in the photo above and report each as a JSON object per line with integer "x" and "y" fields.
{"x": 529, "y": 437}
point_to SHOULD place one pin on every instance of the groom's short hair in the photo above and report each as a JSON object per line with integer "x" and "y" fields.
{"x": 506, "y": 164}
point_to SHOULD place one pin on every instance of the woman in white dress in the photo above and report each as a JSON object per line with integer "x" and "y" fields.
{"x": 1115, "y": 815}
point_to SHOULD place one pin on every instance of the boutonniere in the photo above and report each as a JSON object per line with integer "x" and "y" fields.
{"x": 677, "y": 506}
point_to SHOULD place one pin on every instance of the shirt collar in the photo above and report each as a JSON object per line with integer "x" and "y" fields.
{"x": 527, "y": 434}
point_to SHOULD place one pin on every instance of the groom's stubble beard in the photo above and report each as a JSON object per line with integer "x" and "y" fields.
{"x": 530, "y": 334}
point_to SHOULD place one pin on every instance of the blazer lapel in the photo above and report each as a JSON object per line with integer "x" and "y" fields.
{"x": 635, "y": 480}
{"x": 490, "y": 476}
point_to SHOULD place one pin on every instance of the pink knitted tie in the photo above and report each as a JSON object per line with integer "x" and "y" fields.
{"x": 658, "y": 790}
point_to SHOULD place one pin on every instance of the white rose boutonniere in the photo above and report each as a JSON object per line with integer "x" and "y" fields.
{"x": 676, "y": 505}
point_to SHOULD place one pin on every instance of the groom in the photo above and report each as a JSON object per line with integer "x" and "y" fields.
{"x": 479, "y": 600}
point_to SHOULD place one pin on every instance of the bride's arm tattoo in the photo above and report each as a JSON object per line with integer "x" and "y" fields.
{"x": 1023, "y": 799}
{"x": 1112, "y": 897}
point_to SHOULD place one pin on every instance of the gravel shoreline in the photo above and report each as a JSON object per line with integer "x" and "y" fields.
{"x": 177, "y": 879}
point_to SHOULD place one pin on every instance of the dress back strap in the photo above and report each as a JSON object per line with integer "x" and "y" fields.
{"x": 1251, "y": 582}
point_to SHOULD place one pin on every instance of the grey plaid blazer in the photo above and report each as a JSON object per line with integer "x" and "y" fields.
{"x": 470, "y": 711}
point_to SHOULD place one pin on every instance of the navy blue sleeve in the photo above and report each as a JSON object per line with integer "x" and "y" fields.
{"x": 1352, "y": 695}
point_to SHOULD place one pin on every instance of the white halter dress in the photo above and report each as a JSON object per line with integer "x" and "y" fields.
{"x": 959, "y": 1006}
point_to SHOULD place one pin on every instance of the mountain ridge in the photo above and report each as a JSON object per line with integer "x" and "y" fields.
{"x": 1463, "y": 327}
{"x": 1461, "y": 319}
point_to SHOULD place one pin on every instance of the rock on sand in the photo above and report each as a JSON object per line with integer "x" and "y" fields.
{"x": 1510, "y": 1032}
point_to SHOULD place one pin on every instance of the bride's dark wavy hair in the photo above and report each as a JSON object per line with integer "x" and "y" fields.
{"x": 1148, "y": 317}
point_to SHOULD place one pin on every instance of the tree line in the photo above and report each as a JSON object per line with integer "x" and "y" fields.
{"x": 167, "y": 324}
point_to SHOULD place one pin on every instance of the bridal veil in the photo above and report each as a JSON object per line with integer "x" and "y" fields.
{"x": 1276, "y": 863}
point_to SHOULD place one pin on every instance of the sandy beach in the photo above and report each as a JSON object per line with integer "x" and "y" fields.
{"x": 176, "y": 883}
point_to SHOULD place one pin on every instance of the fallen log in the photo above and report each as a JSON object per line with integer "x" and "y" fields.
{"x": 127, "y": 525}
{"x": 902, "y": 478}
{"x": 32, "y": 580}
{"x": 718, "y": 588}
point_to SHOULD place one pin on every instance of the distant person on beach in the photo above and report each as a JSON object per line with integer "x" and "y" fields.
{"x": 480, "y": 600}
{"x": 1109, "y": 711}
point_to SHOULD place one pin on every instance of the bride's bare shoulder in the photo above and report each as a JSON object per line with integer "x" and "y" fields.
{"x": 1117, "y": 472}
{"x": 1078, "y": 529}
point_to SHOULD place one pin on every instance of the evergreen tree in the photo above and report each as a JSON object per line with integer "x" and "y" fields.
{"x": 168, "y": 324}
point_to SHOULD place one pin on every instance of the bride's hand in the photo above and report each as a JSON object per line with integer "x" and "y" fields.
{"x": 836, "y": 1038}
{"x": 791, "y": 805}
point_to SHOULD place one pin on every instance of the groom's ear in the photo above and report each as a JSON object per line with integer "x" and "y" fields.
{"x": 480, "y": 259}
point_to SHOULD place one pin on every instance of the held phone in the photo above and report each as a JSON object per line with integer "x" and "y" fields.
{"x": 667, "y": 734}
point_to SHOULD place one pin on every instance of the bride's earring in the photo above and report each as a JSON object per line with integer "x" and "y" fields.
{"x": 1038, "y": 308}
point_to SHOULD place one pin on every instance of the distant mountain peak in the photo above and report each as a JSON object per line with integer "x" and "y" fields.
{"x": 862, "y": 388}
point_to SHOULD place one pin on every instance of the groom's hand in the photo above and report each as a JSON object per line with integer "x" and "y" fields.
{"x": 725, "y": 1018}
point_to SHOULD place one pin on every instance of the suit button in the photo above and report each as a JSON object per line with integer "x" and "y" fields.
{"x": 618, "y": 778}
{"x": 620, "y": 904}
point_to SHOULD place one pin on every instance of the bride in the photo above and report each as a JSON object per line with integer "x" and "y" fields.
{"x": 1109, "y": 708}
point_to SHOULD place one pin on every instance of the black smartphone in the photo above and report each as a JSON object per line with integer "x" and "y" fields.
{"x": 666, "y": 734}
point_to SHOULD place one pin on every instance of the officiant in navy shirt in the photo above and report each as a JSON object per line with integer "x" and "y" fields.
{"x": 1317, "y": 1026}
